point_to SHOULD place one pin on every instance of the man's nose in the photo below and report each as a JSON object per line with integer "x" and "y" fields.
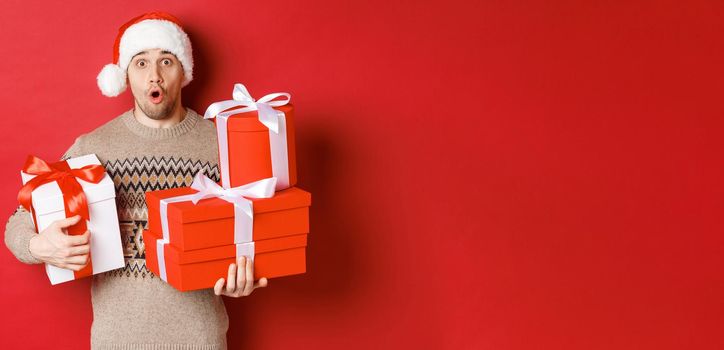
{"x": 155, "y": 75}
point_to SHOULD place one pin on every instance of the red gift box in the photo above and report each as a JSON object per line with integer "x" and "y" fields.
{"x": 201, "y": 268}
{"x": 211, "y": 222}
{"x": 257, "y": 140}
{"x": 249, "y": 148}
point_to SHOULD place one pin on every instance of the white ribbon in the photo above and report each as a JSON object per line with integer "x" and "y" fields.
{"x": 274, "y": 120}
{"x": 243, "y": 209}
{"x": 245, "y": 249}
{"x": 161, "y": 243}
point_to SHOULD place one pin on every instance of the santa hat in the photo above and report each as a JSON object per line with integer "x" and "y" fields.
{"x": 153, "y": 30}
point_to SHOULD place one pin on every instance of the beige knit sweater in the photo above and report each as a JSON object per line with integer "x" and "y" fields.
{"x": 132, "y": 308}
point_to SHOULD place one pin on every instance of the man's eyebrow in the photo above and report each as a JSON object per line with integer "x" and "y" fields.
{"x": 164, "y": 52}
{"x": 140, "y": 53}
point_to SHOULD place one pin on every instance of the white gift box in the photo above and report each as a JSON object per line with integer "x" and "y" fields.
{"x": 105, "y": 235}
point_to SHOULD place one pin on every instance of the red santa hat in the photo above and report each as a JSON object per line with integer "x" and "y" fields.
{"x": 153, "y": 30}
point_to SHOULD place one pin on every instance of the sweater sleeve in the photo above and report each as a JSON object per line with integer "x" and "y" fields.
{"x": 20, "y": 228}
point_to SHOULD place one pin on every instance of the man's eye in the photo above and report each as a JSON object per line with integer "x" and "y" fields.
{"x": 167, "y": 61}
{"x": 141, "y": 63}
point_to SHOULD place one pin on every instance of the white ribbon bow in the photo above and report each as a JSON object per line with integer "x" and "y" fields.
{"x": 208, "y": 188}
{"x": 274, "y": 120}
{"x": 243, "y": 209}
{"x": 242, "y": 98}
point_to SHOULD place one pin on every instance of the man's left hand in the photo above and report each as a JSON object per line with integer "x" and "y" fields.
{"x": 240, "y": 281}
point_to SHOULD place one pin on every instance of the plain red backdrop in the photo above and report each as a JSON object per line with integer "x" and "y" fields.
{"x": 486, "y": 174}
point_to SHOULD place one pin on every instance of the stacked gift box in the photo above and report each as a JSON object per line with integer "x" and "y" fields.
{"x": 195, "y": 233}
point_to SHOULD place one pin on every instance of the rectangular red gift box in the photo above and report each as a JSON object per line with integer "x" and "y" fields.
{"x": 210, "y": 222}
{"x": 201, "y": 268}
{"x": 249, "y": 149}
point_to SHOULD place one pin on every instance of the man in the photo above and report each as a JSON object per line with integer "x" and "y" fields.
{"x": 156, "y": 145}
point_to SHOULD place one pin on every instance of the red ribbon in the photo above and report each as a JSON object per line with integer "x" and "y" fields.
{"x": 73, "y": 197}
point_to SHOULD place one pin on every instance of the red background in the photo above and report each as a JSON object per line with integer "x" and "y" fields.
{"x": 486, "y": 174}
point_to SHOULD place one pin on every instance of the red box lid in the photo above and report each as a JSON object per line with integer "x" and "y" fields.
{"x": 249, "y": 121}
{"x": 217, "y": 208}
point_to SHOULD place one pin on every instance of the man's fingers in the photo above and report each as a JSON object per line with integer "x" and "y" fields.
{"x": 241, "y": 281}
{"x": 249, "y": 285}
{"x": 240, "y": 274}
{"x": 67, "y": 222}
{"x": 83, "y": 239}
{"x": 231, "y": 279}
{"x": 74, "y": 267}
{"x": 262, "y": 283}
{"x": 219, "y": 286}
{"x": 78, "y": 260}
{"x": 79, "y": 250}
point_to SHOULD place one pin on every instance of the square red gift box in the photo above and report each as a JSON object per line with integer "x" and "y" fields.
{"x": 201, "y": 268}
{"x": 219, "y": 221}
{"x": 256, "y": 138}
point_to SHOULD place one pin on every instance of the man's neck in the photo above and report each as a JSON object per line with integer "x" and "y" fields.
{"x": 176, "y": 116}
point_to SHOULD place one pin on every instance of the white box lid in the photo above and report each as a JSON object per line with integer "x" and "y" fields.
{"x": 48, "y": 198}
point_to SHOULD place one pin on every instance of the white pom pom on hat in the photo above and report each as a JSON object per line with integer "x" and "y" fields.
{"x": 112, "y": 80}
{"x": 153, "y": 30}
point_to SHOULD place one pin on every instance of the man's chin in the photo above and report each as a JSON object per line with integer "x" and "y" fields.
{"x": 157, "y": 112}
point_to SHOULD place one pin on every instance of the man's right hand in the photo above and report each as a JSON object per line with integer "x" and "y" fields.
{"x": 54, "y": 246}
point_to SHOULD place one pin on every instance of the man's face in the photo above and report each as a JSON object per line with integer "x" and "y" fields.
{"x": 155, "y": 77}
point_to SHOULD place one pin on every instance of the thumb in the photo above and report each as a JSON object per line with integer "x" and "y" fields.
{"x": 68, "y": 222}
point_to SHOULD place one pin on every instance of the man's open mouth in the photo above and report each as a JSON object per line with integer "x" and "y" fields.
{"x": 156, "y": 95}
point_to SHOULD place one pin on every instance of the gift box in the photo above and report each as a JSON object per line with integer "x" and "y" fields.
{"x": 226, "y": 219}
{"x": 256, "y": 138}
{"x": 77, "y": 186}
{"x": 201, "y": 268}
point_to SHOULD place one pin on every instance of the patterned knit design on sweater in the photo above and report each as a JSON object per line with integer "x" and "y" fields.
{"x": 132, "y": 179}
